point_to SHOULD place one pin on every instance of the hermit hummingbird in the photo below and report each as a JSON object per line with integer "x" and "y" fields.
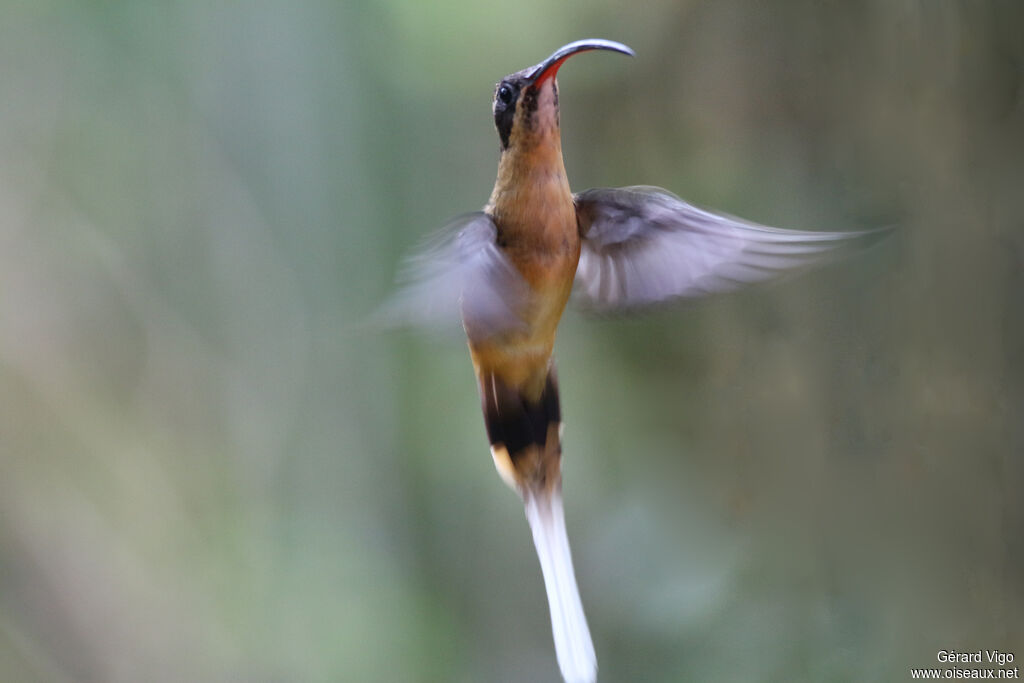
{"x": 509, "y": 270}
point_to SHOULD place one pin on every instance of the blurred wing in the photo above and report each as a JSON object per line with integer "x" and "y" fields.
{"x": 459, "y": 274}
{"x": 644, "y": 245}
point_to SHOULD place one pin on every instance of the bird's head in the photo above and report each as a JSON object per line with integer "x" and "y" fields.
{"x": 526, "y": 102}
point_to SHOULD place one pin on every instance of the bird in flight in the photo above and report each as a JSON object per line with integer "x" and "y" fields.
{"x": 509, "y": 270}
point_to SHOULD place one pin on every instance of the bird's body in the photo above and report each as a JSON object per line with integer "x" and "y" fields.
{"x": 536, "y": 231}
{"x": 511, "y": 269}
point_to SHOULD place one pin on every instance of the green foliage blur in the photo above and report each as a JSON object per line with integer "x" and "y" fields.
{"x": 211, "y": 470}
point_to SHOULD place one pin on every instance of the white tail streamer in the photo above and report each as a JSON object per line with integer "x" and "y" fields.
{"x": 573, "y": 646}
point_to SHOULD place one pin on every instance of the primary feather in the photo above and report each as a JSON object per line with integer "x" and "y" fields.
{"x": 644, "y": 246}
{"x": 459, "y": 274}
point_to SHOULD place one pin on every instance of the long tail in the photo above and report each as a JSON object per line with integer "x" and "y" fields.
{"x": 573, "y": 646}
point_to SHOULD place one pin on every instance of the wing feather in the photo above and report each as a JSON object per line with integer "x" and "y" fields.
{"x": 459, "y": 274}
{"x": 643, "y": 246}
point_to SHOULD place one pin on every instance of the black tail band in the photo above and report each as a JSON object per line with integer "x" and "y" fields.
{"x": 514, "y": 420}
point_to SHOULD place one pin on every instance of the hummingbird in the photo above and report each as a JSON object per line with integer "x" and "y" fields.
{"x": 509, "y": 270}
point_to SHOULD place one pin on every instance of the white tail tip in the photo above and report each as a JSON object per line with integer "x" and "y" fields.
{"x": 573, "y": 646}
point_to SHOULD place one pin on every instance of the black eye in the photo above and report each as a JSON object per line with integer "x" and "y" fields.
{"x": 504, "y": 94}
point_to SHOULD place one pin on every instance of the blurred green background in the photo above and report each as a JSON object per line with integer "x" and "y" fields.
{"x": 210, "y": 472}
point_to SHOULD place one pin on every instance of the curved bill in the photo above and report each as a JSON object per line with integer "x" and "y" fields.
{"x": 549, "y": 66}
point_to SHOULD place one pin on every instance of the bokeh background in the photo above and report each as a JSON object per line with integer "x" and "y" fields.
{"x": 210, "y": 470}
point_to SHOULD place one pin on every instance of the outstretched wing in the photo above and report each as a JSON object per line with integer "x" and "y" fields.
{"x": 460, "y": 273}
{"x": 644, "y": 245}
